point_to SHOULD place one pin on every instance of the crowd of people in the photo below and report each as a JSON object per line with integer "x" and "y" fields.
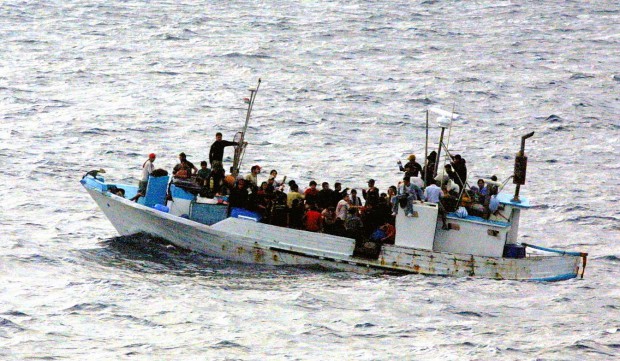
{"x": 337, "y": 211}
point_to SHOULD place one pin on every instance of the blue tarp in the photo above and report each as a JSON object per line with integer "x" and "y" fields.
{"x": 156, "y": 191}
{"x": 179, "y": 193}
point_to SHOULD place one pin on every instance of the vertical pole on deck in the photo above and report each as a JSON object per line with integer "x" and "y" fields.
{"x": 425, "y": 169}
{"x": 439, "y": 150}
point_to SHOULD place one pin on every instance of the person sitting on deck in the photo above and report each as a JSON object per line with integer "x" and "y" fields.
{"x": 370, "y": 218}
{"x": 342, "y": 209}
{"x": 411, "y": 193}
{"x": 491, "y": 202}
{"x": 328, "y": 219}
{"x": 353, "y": 224}
{"x": 279, "y": 209}
{"x": 203, "y": 174}
{"x": 238, "y": 197}
{"x": 296, "y": 214}
{"x": 253, "y": 176}
{"x": 384, "y": 209}
{"x": 273, "y": 181}
{"x": 312, "y": 219}
{"x": 184, "y": 169}
{"x": 411, "y": 168}
{"x": 355, "y": 200}
{"x": 390, "y": 233}
{"x": 482, "y": 188}
{"x": 311, "y": 194}
{"x": 264, "y": 199}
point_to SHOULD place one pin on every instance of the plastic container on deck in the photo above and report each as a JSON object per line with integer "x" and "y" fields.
{"x": 161, "y": 208}
{"x": 245, "y": 214}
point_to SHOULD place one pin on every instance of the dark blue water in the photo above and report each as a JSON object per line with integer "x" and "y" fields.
{"x": 91, "y": 84}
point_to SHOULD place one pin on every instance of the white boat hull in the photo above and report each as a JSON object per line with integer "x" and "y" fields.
{"x": 250, "y": 242}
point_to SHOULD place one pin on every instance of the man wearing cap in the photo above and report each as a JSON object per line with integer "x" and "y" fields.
{"x": 147, "y": 169}
{"x": 412, "y": 168}
{"x": 371, "y": 195}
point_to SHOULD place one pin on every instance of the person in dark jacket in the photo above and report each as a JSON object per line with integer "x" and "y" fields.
{"x": 428, "y": 173}
{"x": 458, "y": 164}
{"x": 411, "y": 168}
{"x": 238, "y": 197}
{"x": 216, "y": 153}
{"x": 325, "y": 196}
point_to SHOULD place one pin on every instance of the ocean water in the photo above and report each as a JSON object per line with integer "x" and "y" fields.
{"x": 100, "y": 84}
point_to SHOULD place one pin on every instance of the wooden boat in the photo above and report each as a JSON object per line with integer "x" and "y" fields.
{"x": 470, "y": 246}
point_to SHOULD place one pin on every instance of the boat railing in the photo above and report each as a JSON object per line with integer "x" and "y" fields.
{"x": 583, "y": 255}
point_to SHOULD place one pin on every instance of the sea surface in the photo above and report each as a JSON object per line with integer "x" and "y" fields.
{"x": 345, "y": 85}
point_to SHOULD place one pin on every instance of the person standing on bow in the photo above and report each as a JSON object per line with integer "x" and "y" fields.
{"x": 147, "y": 169}
{"x": 216, "y": 153}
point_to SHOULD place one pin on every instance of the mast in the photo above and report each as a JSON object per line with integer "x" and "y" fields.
{"x": 240, "y": 149}
{"x": 425, "y": 169}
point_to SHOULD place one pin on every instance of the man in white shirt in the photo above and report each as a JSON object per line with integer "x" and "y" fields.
{"x": 147, "y": 169}
{"x": 433, "y": 193}
{"x": 342, "y": 208}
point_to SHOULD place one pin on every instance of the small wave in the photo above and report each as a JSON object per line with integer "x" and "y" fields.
{"x": 553, "y": 119}
{"x": 88, "y": 307}
{"x": 170, "y": 37}
{"x": 140, "y": 321}
{"x": 469, "y": 313}
{"x": 227, "y": 344}
{"x": 5, "y": 323}
{"x": 365, "y": 325}
{"x": 592, "y": 218}
{"x": 14, "y": 313}
{"x": 301, "y": 132}
{"x": 161, "y": 72}
{"x": 581, "y": 76}
{"x": 612, "y": 258}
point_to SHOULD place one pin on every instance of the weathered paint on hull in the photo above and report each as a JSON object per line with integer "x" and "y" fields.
{"x": 130, "y": 218}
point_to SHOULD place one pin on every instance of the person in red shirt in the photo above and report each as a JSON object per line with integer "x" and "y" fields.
{"x": 312, "y": 219}
{"x": 311, "y": 194}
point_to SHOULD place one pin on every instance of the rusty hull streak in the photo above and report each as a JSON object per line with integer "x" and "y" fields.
{"x": 259, "y": 255}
